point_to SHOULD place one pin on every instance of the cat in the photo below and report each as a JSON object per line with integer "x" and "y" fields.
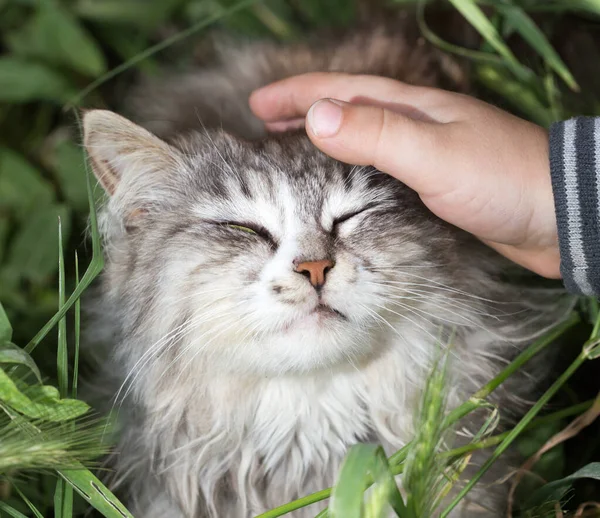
{"x": 265, "y": 307}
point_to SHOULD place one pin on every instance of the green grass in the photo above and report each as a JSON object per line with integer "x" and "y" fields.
{"x": 537, "y": 58}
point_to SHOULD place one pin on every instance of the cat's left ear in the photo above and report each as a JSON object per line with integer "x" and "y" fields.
{"x": 120, "y": 151}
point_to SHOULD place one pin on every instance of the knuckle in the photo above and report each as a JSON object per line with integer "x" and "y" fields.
{"x": 385, "y": 135}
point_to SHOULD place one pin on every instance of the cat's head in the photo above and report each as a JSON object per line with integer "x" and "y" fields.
{"x": 266, "y": 256}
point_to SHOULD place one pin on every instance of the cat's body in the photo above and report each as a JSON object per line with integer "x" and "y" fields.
{"x": 241, "y": 381}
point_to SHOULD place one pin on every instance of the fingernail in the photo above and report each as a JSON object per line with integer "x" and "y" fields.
{"x": 325, "y": 117}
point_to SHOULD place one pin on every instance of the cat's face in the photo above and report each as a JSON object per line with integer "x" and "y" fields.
{"x": 264, "y": 257}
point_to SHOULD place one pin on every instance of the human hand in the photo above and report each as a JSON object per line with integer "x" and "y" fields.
{"x": 473, "y": 165}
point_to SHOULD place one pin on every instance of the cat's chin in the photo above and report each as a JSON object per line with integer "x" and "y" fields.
{"x": 324, "y": 339}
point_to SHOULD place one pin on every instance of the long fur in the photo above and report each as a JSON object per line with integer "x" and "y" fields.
{"x": 234, "y": 395}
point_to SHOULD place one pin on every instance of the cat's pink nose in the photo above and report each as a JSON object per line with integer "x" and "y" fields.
{"x": 316, "y": 271}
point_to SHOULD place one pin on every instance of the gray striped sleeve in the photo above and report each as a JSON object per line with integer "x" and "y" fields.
{"x": 575, "y": 171}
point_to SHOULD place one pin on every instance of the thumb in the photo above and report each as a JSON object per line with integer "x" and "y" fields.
{"x": 403, "y": 147}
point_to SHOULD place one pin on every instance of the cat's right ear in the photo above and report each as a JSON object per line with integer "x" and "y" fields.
{"x": 118, "y": 148}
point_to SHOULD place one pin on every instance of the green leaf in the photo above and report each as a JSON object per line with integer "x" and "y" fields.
{"x": 332, "y": 12}
{"x": 5, "y": 327}
{"x": 592, "y": 6}
{"x": 238, "y": 6}
{"x": 116, "y": 12}
{"x": 24, "y": 81}
{"x": 532, "y": 34}
{"x": 68, "y": 164}
{"x": 34, "y": 250}
{"x": 12, "y": 354}
{"x": 363, "y": 463}
{"x": 55, "y": 36}
{"x": 44, "y": 402}
{"x": 477, "y": 18}
{"x": 556, "y": 490}
{"x": 22, "y": 187}
{"x": 95, "y": 493}
{"x": 145, "y": 15}
{"x": 127, "y": 45}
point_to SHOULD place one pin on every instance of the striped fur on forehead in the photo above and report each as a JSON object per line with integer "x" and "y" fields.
{"x": 287, "y": 171}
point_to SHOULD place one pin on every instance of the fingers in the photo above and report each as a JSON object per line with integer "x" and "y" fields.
{"x": 544, "y": 262}
{"x": 291, "y": 98}
{"x": 408, "y": 149}
{"x": 286, "y": 125}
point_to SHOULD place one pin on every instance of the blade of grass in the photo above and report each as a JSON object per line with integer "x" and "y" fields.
{"x": 77, "y": 331}
{"x": 536, "y": 347}
{"x": 76, "y": 101}
{"x": 540, "y": 421}
{"x": 305, "y": 501}
{"x": 79, "y": 478}
{"x": 553, "y": 95}
{"x": 12, "y": 354}
{"x": 477, "y": 18}
{"x": 450, "y": 454}
{"x": 382, "y": 475}
{"x": 476, "y": 399}
{"x": 10, "y": 510}
{"x": 62, "y": 356}
{"x": 348, "y": 493}
{"x": 433, "y": 38}
{"x": 63, "y": 493}
{"x": 556, "y": 6}
{"x": 523, "y": 423}
{"x": 422, "y": 469}
{"x": 493, "y": 73}
{"x": 92, "y": 271}
{"x": 568, "y": 432}
{"x": 95, "y": 493}
{"x": 519, "y": 94}
{"x": 365, "y": 464}
{"x": 5, "y": 327}
{"x": 28, "y": 502}
{"x": 532, "y": 34}
{"x": 275, "y": 24}
{"x": 397, "y": 459}
{"x": 63, "y": 500}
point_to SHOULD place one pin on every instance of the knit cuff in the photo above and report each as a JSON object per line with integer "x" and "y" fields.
{"x": 575, "y": 172}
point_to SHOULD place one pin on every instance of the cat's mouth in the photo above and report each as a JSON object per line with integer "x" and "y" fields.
{"x": 325, "y": 310}
{"x": 319, "y": 316}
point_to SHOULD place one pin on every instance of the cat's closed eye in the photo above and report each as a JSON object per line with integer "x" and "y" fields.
{"x": 349, "y": 215}
{"x": 251, "y": 228}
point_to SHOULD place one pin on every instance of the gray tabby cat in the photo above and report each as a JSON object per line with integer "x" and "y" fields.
{"x": 265, "y": 307}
